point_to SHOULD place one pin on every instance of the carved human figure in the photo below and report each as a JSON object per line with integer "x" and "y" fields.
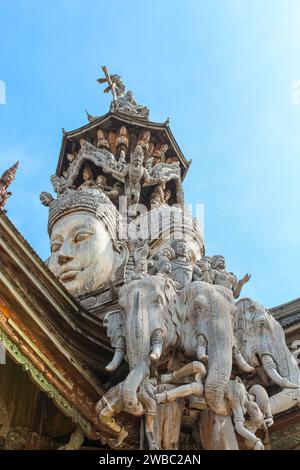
{"x": 112, "y": 403}
{"x": 140, "y": 257}
{"x": 122, "y": 141}
{"x": 249, "y": 415}
{"x": 163, "y": 261}
{"x": 157, "y": 198}
{"x": 134, "y": 175}
{"x": 221, "y": 277}
{"x": 88, "y": 178}
{"x": 122, "y": 101}
{"x": 159, "y": 153}
{"x": 128, "y": 105}
{"x": 182, "y": 265}
{"x": 202, "y": 270}
{"x": 59, "y": 184}
{"x": 102, "y": 142}
{"x": 72, "y": 158}
{"x": 115, "y": 192}
{"x": 46, "y": 198}
{"x": 121, "y": 163}
{"x": 102, "y": 183}
{"x": 144, "y": 141}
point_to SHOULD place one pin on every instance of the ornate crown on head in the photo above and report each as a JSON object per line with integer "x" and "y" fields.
{"x": 86, "y": 200}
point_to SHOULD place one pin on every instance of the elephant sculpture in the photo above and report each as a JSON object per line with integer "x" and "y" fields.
{"x": 158, "y": 319}
{"x": 151, "y": 328}
{"x": 209, "y": 321}
{"x": 261, "y": 340}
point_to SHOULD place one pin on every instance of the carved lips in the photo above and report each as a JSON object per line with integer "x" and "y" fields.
{"x": 68, "y": 276}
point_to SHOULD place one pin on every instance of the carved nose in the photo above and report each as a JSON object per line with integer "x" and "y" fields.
{"x": 62, "y": 259}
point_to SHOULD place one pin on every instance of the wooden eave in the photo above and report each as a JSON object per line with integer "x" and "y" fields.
{"x": 82, "y": 331}
{"x": 288, "y": 314}
{"x": 122, "y": 118}
{"x": 47, "y": 331}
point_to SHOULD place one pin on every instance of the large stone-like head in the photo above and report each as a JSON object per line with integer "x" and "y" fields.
{"x": 81, "y": 228}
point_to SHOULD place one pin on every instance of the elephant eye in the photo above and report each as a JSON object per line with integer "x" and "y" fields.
{"x": 159, "y": 300}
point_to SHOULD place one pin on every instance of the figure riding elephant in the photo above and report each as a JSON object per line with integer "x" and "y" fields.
{"x": 158, "y": 319}
{"x": 261, "y": 340}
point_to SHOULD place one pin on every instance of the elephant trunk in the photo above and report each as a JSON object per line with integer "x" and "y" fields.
{"x": 137, "y": 346}
{"x": 290, "y": 396}
{"x": 284, "y": 400}
{"x": 215, "y": 387}
{"x": 219, "y": 351}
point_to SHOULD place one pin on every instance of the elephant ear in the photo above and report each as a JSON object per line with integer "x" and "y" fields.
{"x": 114, "y": 324}
{"x": 175, "y": 307}
{"x": 245, "y": 314}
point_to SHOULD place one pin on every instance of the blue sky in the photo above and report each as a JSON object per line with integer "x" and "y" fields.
{"x": 221, "y": 69}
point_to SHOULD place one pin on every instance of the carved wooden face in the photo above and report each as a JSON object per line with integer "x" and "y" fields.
{"x": 87, "y": 173}
{"x": 82, "y": 254}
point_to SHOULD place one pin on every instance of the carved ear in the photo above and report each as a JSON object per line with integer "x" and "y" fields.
{"x": 121, "y": 255}
{"x": 114, "y": 324}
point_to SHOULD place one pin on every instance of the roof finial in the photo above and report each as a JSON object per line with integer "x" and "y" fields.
{"x": 6, "y": 179}
{"x": 122, "y": 102}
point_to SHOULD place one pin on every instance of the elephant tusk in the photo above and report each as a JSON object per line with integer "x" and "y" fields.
{"x": 241, "y": 363}
{"x": 116, "y": 361}
{"x": 270, "y": 369}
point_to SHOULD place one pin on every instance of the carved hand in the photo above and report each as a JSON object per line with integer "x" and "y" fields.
{"x": 245, "y": 279}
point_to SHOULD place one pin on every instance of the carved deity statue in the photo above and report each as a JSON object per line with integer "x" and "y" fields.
{"x": 122, "y": 101}
{"x": 88, "y": 178}
{"x": 102, "y": 142}
{"x": 122, "y": 141}
{"x": 182, "y": 265}
{"x": 134, "y": 176}
{"x": 221, "y": 277}
{"x": 144, "y": 141}
{"x": 102, "y": 183}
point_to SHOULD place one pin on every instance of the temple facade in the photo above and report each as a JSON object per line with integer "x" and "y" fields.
{"x": 130, "y": 335}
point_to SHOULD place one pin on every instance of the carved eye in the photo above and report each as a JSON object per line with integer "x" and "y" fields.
{"x": 55, "y": 247}
{"x": 81, "y": 236}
